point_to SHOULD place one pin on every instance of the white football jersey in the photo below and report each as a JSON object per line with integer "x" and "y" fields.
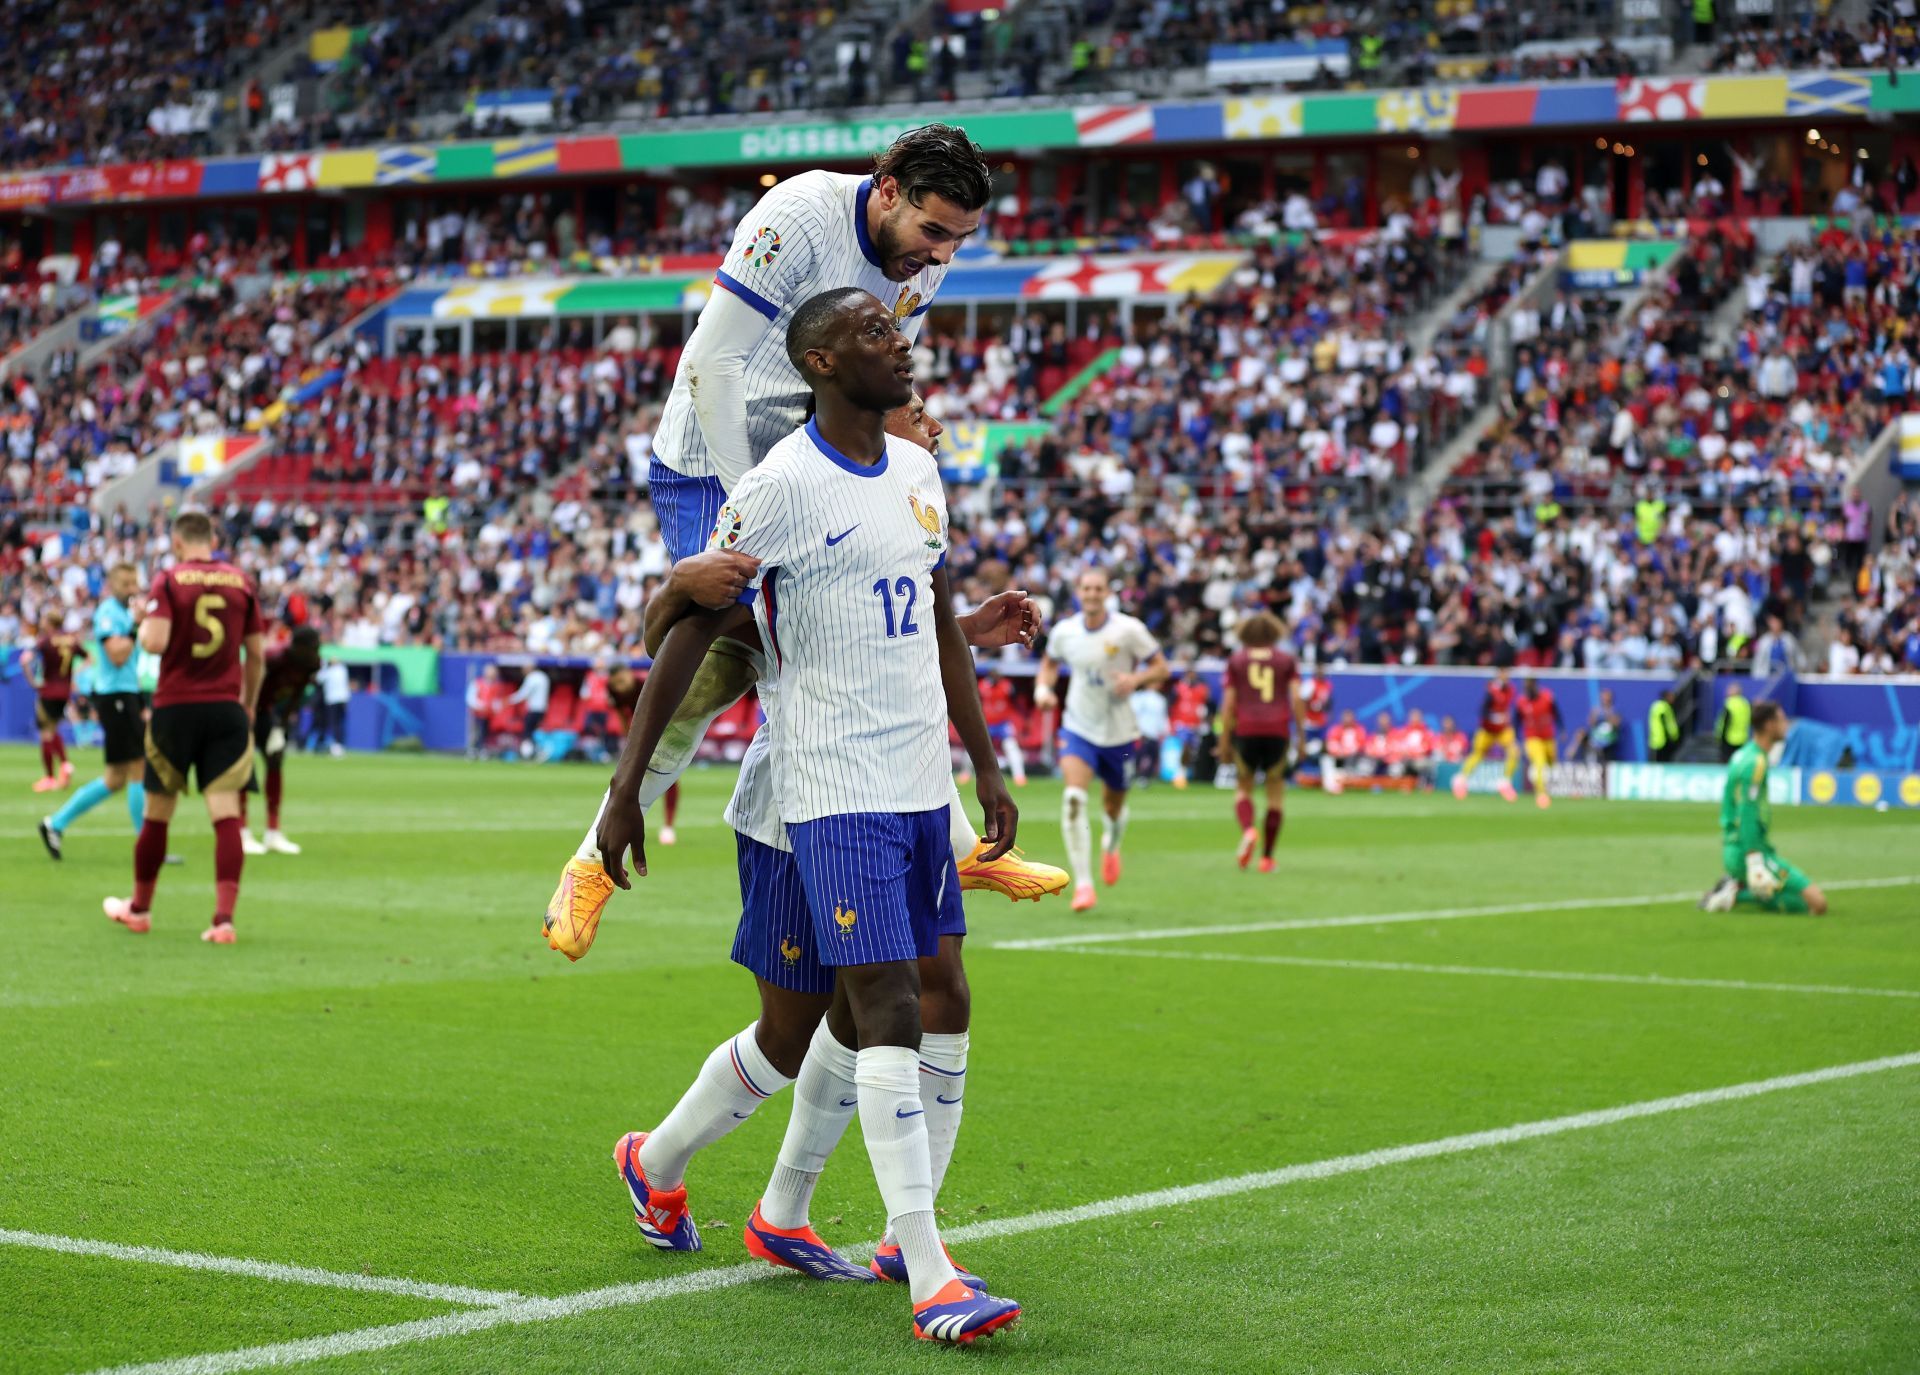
{"x": 844, "y": 603}
{"x": 805, "y": 236}
{"x": 1095, "y": 712}
{"x": 754, "y": 808}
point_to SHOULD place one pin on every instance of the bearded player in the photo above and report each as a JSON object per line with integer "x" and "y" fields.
{"x": 1260, "y": 721}
{"x": 736, "y": 393}
{"x": 203, "y": 620}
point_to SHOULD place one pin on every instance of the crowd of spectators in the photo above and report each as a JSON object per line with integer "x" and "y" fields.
{"x": 1822, "y": 44}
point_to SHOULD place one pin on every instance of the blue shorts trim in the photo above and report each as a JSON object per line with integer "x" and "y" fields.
{"x": 881, "y": 886}
{"x": 775, "y": 936}
{"x": 686, "y": 508}
{"x": 1112, "y": 763}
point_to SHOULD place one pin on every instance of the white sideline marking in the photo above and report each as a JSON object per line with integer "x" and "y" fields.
{"x": 1486, "y": 971}
{"x": 1389, "y": 918}
{"x": 727, "y": 1277}
{"x": 261, "y": 1269}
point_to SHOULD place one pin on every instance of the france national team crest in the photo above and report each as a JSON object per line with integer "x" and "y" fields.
{"x": 908, "y": 303}
{"x": 844, "y": 918}
{"x": 790, "y": 951}
{"x": 764, "y": 248}
{"x": 929, "y": 518}
{"x": 726, "y": 529}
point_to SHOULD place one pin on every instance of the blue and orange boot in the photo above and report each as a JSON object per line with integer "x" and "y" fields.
{"x": 660, "y": 1214}
{"x": 961, "y": 1315}
{"x": 799, "y": 1248}
{"x": 889, "y": 1264}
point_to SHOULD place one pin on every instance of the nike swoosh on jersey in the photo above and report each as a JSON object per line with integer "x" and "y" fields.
{"x": 835, "y": 539}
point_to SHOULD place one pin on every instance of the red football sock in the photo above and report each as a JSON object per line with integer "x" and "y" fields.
{"x": 1243, "y": 812}
{"x": 46, "y": 756}
{"x": 275, "y": 781}
{"x": 1274, "y": 817}
{"x": 149, "y": 853}
{"x": 59, "y": 749}
{"x": 227, "y": 859}
{"x": 672, "y": 803}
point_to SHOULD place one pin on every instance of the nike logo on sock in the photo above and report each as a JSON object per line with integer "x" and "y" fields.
{"x": 949, "y": 1101}
{"x": 835, "y": 539}
{"x": 849, "y": 1102}
{"x": 743, "y": 1116}
{"x": 903, "y": 1113}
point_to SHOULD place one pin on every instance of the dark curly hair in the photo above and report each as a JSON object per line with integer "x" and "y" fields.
{"x": 938, "y": 159}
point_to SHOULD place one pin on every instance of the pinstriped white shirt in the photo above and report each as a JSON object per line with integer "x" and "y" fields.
{"x": 806, "y": 236}
{"x": 844, "y": 603}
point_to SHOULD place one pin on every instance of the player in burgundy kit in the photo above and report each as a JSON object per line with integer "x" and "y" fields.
{"x": 202, "y": 614}
{"x": 1260, "y": 716}
{"x": 56, "y": 650}
{"x": 283, "y": 688}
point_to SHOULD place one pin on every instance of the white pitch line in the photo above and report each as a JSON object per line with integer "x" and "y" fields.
{"x": 262, "y": 1269}
{"x": 526, "y": 1311}
{"x": 1390, "y": 918}
{"x": 1487, "y": 971}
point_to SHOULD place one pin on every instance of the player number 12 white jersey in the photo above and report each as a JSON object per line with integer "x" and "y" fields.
{"x": 844, "y": 603}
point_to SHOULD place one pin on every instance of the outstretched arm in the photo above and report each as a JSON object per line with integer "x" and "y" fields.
{"x": 622, "y": 825}
{"x": 962, "y": 686}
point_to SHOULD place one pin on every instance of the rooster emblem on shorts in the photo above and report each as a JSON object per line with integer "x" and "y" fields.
{"x": 789, "y": 950}
{"x": 844, "y": 918}
{"x": 929, "y": 519}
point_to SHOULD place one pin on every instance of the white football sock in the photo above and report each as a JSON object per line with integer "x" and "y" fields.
{"x": 736, "y": 1079}
{"x": 1115, "y": 829}
{"x": 1016, "y": 760}
{"x": 823, "y": 1104}
{"x": 943, "y": 1082}
{"x": 960, "y": 832}
{"x": 1078, "y": 832}
{"x": 721, "y": 680}
{"x": 895, "y": 1126}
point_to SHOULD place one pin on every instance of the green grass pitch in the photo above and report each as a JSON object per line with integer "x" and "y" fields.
{"x": 391, "y": 1076}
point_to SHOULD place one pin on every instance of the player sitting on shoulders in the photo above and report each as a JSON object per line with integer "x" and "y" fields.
{"x": 1260, "y": 717}
{"x": 1754, "y": 873}
{"x": 735, "y": 393}
{"x": 1110, "y": 655}
{"x": 1540, "y": 726}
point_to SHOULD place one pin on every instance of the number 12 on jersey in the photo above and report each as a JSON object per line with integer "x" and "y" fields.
{"x": 908, "y": 591}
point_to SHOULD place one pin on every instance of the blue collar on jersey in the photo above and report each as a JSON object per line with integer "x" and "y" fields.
{"x": 860, "y": 222}
{"x": 857, "y": 469}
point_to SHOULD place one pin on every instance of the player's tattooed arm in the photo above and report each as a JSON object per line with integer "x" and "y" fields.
{"x": 962, "y": 685}
{"x": 622, "y": 825}
{"x": 713, "y": 580}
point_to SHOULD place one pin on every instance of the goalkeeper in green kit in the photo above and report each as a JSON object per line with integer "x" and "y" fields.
{"x": 1755, "y": 874}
